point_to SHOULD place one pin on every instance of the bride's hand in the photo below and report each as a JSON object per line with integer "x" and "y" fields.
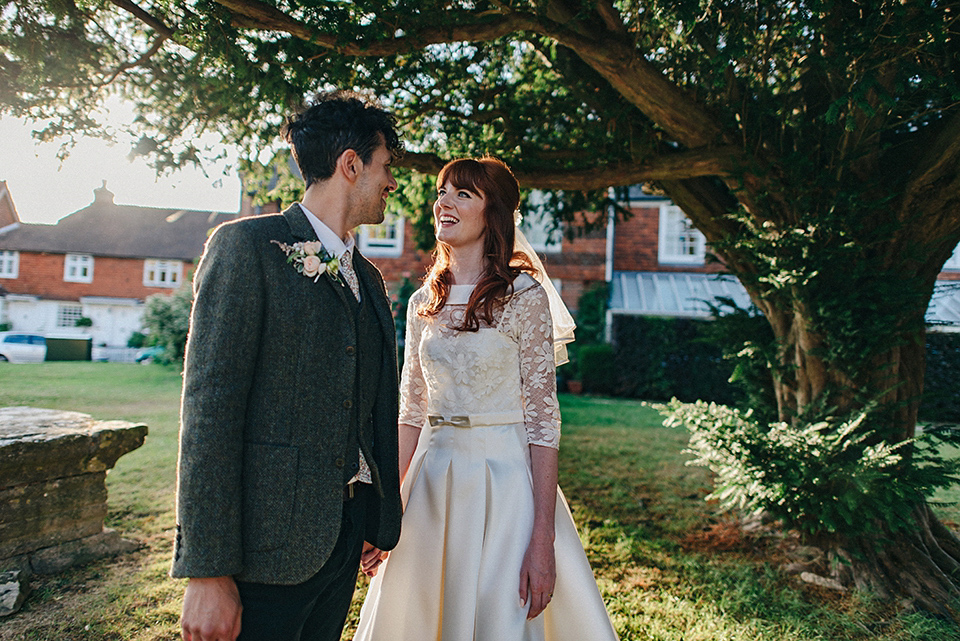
{"x": 370, "y": 559}
{"x": 538, "y": 575}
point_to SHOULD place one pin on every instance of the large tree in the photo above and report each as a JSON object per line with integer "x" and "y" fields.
{"x": 814, "y": 142}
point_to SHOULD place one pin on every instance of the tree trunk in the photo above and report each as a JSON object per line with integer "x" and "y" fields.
{"x": 919, "y": 565}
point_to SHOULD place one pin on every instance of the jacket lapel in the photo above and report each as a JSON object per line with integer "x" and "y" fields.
{"x": 302, "y": 230}
{"x": 370, "y": 280}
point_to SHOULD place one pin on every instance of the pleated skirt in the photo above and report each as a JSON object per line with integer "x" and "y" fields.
{"x": 455, "y": 573}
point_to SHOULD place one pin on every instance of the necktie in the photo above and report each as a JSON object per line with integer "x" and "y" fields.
{"x": 346, "y": 268}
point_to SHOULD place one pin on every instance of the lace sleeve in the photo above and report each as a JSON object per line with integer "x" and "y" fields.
{"x": 534, "y": 330}
{"x": 413, "y": 387}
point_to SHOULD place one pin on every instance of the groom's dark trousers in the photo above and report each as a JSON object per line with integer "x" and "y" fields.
{"x": 315, "y": 610}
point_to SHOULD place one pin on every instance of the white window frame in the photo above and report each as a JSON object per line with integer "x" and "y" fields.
{"x": 9, "y": 264}
{"x": 953, "y": 263}
{"x": 162, "y": 273}
{"x": 538, "y": 228}
{"x": 679, "y": 242}
{"x": 78, "y": 268}
{"x": 68, "y": 315}
{"x": 385, "y": 239}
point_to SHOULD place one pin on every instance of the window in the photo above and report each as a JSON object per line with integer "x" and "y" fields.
{"x": 78, "y": 268}
{"x": 385, "y": 239}
{"x": 541, "y": 231}
{"x": 68, "y": 315}
{"x": 9, "y": 264}
{"x": 954, "y": 261}
{"x": 162, "y": 273}
{"x": 679, "y": 241}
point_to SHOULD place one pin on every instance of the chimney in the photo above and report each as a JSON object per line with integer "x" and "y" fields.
{"x": 103, "y": 195}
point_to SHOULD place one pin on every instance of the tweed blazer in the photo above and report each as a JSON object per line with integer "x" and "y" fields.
{"x": 270, "y": 378}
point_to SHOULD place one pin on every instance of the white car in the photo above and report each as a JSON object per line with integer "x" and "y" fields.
{"x": 21, "y": 347}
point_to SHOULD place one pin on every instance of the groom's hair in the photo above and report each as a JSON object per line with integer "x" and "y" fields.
{"x": 334, "y": 122}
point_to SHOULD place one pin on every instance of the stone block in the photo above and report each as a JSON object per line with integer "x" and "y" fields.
{"x": 53, "y": 495}
{"x": 28, "y": 435}
{"x": 56, "y": 559}
{"x": 13, "y": 591}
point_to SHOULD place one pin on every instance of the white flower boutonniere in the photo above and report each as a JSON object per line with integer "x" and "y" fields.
{"x": 311, "y": 259}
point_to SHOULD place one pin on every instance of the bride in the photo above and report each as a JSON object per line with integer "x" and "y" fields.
{"x": 488, "y": 549}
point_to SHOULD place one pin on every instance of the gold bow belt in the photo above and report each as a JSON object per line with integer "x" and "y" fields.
{"x": 476, "y": 420}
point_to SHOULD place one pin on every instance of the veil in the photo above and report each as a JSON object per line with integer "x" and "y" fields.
{"x": 563, "y": 324}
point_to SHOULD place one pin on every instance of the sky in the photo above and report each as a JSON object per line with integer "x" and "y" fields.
{"x": 45, "y": 190}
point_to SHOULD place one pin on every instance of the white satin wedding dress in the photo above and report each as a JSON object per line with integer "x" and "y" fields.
{"x": 480, "y": 399}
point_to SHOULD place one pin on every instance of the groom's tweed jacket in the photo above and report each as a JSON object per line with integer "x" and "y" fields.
{"x": 271, "y": 396}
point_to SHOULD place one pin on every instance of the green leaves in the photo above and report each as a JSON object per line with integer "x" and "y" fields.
{"x": 828, "y": 477}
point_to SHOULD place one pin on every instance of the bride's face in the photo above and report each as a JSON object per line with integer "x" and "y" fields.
{"x": 458, "y": 216}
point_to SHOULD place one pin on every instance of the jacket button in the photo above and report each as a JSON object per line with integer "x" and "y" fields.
{"x": 347, "y": 404}
{"x": 351, "y": 349}
{"x": 339, "y": 462}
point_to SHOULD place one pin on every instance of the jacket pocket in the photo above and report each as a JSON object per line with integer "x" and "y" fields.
{"x": 269, "y": 495}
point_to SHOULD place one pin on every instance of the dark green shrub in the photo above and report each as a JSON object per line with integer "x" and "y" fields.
{"x": 941, "y": 388}
{"x": 597, "y": 369}
{"x": 662, "y": 358}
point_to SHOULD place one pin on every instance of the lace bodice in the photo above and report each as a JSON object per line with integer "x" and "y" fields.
{"x": 508, "y": 365}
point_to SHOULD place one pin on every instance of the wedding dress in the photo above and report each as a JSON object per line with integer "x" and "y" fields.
{"x": 480, "y": 399}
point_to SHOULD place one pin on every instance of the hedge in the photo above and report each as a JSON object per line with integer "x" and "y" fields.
{"x": 657, "y": 359}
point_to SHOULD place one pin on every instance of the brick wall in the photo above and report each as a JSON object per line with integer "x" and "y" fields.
{"x": 41, "y": 274}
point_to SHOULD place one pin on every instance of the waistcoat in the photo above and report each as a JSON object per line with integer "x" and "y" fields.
{"x": 369, "y": 355}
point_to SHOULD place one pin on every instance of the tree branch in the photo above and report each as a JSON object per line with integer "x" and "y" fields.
{"x": 154, "y": 23}
{"x": 678, "y": 166}
{"x": 461, "y": 27}
{"x": 613, "y": 57}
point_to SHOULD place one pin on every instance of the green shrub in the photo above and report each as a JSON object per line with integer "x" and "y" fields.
{"x": 596, "y": 369}
{"x": 819, "y": 476}
{"x": 941, "y": 402}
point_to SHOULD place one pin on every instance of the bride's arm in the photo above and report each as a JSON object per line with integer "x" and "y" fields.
{"x": 409, "y": 436}
{"x": 413, "y": 388}
{"x": 534, "y": 329}
{"x": 538, "y": 574}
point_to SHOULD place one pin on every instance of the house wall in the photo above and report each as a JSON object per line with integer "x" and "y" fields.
{"x": 41, "y": 274}
{"x": 636, "y": 244}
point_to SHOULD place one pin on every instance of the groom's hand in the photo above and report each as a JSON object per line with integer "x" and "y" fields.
{"x": 370, "y": 559}
{"x": 211, "y": 610}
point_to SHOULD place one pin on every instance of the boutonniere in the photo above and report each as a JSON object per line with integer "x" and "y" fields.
{"x": 311, "y": 259}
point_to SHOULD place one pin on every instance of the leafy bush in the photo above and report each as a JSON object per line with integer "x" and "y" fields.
{"x": 168, "y": 319}
{"x": 137, "y": 340}
{"x": 941, "y": 402}
{"x": 660, "y": 358}
{"x": 596, "y": 369}
{"x": 823, "y": 476}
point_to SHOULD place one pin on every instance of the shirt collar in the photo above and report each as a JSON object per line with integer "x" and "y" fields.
{"x": 327, "y": 237}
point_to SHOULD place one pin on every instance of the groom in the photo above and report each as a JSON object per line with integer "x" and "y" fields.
{"x": 288, "y": 443}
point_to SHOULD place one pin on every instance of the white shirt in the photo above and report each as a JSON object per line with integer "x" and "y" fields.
{"x": 329, "y": 239}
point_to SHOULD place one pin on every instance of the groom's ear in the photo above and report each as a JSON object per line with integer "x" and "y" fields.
{"x": 349, "y": 165}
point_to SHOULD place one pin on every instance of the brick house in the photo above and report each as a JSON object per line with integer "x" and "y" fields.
{"x": 98, "y": 263}
{"x": 660, "y": 268}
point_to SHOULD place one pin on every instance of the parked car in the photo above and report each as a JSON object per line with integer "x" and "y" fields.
{"x": 20, "y": 347}
{"x": 149, "y": 354}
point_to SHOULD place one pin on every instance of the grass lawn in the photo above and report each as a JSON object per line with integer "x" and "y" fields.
{"x": 669, "y": 568}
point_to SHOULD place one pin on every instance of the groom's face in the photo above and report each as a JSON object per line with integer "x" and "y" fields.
{"x": 373, "y": 186}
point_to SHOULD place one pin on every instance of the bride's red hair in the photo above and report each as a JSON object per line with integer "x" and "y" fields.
{"x": 492, "y": 179}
